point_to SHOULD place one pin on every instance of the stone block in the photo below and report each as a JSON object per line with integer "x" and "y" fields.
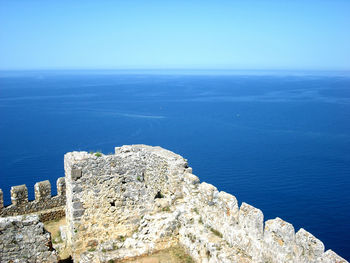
{"x": 228, "y": 202}
{"x": 61, "y": 186}
{"x": 78, "y": 213}
{"x": 1, "y": 199}
{"x": 191, "y": 179}
{"x": 331, "y": 257}
{"x": 19, "y": 195}
{"x": 282, "y": 231}
{"x": 76, "y": 174}
{"x": 42, "y": 190}
{"x": 310, "y": 247}
{"x": 208, "y": 192}
{"x": 279, "y": 241}
{"x": 251, "y": 220}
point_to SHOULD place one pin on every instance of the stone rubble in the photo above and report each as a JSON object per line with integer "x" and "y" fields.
{"x": 24, "y": 239}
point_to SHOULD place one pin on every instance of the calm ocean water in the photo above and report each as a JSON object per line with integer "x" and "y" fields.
{"x": 278, "y": 141}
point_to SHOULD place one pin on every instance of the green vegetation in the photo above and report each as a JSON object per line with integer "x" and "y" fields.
{"x": 96, "y": 153}
{"x": 215, "y": 232}
{"x": 121, "y": 238}
{"x": 166, "y": 209}
{"x": 180, "y": 254}
{"x": 200, "y": 220}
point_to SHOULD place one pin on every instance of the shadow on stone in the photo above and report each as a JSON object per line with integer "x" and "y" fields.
{"x": 67, "y": 260}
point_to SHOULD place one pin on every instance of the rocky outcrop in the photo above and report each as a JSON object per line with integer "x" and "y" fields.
{"x": 143, "y": 199}
{"x": 24, "y": 239}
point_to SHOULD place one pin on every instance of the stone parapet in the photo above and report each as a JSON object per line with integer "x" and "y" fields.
{"x": 43, "y": 199}
{"x": 142, "y": 199}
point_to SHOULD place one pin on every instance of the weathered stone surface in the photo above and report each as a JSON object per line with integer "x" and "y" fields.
{"x": 115, "y": 192}
{"x": 44, "y": 204}
{"x": 279, "y": 241}
{"x": 42, "y": 190}
{"x": 310, "y": 247}
{"x": 23, "y": 239}
{"x": 1, "y": 199}
{"x": 143, "y": 199}
{"x": 19, "y": 195}
{"x": 331, "y": 257}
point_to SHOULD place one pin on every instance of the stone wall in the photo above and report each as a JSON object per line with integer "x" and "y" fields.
{"x": 46, "y": 206}
{"x": 108, "y": 196}
{"x": 24, "y": 239}
{"x": 142, "y": 199}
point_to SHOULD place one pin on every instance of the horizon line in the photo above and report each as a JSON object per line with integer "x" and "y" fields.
{"x": 170, "y": 69}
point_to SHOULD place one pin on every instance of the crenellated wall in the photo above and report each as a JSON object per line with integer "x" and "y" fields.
{"x": 142, "y": 199}
{"x": 48, "y": 207}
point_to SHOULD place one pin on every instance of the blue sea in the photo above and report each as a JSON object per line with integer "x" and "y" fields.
{"x": 277, "y": 140}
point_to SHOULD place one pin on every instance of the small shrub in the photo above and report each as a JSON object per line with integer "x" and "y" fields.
{"x": 121, "y": 238}
{"x": 215, "y": 232}
{"x": 98, "y": 154}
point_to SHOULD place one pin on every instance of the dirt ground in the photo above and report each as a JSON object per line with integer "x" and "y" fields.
{"x": 54, "y": 228}
{"x": 171, "y": 255}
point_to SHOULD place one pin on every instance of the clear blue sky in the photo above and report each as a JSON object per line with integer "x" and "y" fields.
{"x": 241, "y": 34}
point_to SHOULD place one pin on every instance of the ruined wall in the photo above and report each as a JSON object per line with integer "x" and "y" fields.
{"x": 23, "y": 239}
{"x": 108, "y": 196}
{"x": 224, "y": 232}
{"x": 146, "y": 198}
{"x": 46, "y": 206}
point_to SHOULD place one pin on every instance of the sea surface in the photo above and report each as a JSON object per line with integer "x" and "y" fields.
{"x": 279, "y": 141}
